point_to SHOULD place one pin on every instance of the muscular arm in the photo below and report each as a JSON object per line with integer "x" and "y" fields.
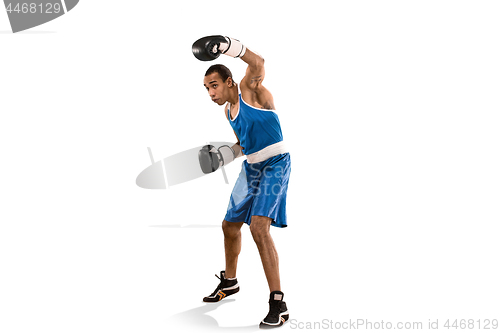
{"x": 255, "y": 70}
{"x": 251, "y": 85}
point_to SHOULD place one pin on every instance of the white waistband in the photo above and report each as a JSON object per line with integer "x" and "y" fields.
{"x": 265, "y": 153}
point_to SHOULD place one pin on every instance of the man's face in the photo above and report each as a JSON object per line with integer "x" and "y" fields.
{"x": 217, "y": 89}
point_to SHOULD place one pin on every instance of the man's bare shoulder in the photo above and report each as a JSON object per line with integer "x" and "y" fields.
{"x": 259, "y": 97}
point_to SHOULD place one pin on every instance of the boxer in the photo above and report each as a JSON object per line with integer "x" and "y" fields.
{"x": 259, "y": 195}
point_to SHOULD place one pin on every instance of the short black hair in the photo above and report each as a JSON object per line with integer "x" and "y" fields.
{"x": 222, "y": 70}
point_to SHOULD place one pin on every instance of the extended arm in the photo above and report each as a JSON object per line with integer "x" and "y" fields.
{"x": 212, "y": 158}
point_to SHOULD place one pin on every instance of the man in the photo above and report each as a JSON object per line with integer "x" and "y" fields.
{"x": 259, "y": 195}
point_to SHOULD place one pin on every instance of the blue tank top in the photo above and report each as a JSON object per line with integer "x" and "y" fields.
{"x": 256, "y": 128}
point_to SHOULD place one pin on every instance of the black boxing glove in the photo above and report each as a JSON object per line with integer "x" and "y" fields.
{"x": 211, "y": 47}
{"x": 212, "y": 158}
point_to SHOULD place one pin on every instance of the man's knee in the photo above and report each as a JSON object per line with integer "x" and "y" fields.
{"x": 259, "y": 227}
{"x": 231, "y": 229}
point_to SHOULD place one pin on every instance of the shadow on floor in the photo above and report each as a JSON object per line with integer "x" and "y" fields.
{"x": 198, "y": 318}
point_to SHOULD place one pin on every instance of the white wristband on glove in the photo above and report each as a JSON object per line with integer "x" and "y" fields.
{"x": 237, "y": 151}
{"x": 233, "y": 48}
{"x": 227, "y": 154}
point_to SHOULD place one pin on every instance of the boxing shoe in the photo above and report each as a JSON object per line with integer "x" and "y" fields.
{"x": 278, "y": 312}
{"x": 225, "y": 288}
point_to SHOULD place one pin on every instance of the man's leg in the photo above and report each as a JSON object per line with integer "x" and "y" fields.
{"x": 232, "y": 245}
{"x": 259, "y": 228}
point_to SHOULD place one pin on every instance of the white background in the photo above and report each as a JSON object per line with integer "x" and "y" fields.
{"x": 391, "y": 113}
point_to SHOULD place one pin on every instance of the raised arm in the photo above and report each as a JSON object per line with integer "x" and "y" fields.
{"x": 211, "y": 47}
{"x": 255, "y": 70}
{"x": 251, "y": 85}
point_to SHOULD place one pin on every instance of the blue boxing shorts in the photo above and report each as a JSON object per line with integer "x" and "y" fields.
{"x": 261, "y": 190}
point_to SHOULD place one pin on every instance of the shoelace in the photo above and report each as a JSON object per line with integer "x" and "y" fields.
{"x": 218, "y": 287}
